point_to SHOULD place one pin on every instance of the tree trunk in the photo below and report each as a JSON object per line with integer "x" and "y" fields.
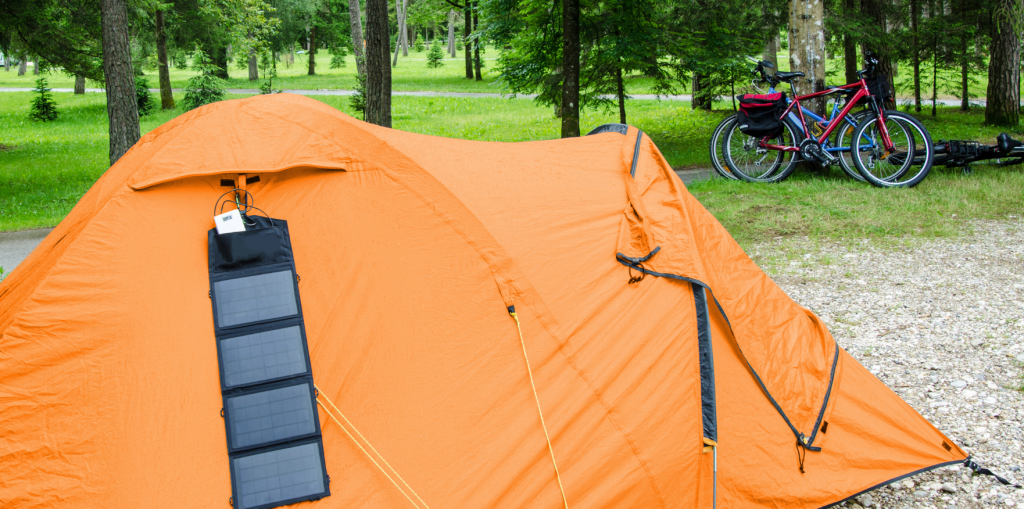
{"x": 467, "y": 26}
{"x": 312, "y": 51}
{"x": 850, "y": 46}
{"x": 1003, "y": 93}
{"x": 570, "y": 68}
{"x": 289, "y": 60}
{"x": 477, "y": 66}
{"x": 965, "y": 91}
{"x": 79, "y": 85}
{"x": 219, "y": 58}
{"x": 23, "y": 66}
{"x": 451, "y": 33}
{"x": 35, "y": 66}
{"x": 378, "y": 72}
{"x": 771, "y": 53}
{"x": 122, "y": 108}
{"x": 405, "y": 37}
{"x": 699, "y": 98}
{"x": 400, "y": 12}
{"x": 620, "y": 92}
{"x": 254, "y": 70}
{"x": 915, "y": 51}
{"x": 357, "y": 35}
{"x": 166, "y": 95}
{"x": 807, "y": 45}
{"x": 874, "y": 10}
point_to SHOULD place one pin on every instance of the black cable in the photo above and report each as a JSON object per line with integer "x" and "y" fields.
{"x": 247, "y": 204}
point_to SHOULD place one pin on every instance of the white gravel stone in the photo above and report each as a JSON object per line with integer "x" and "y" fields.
{"x": 911, "y": 311}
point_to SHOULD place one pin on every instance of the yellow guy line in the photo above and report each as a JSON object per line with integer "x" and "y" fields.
{"x": 539, "y": 411}
{"x": 381, "y": 456}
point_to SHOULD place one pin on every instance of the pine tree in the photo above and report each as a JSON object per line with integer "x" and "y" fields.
{"x": 205, "y": 87}
{"x": 435, "y": 58}
{"x": 358, "y": 99}
{"x": 44, "y": 108}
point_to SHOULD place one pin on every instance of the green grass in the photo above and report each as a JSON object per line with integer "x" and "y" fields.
{"x": 45, "y": 168}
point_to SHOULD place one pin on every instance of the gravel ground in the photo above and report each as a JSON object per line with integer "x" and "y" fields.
{"x": 941, "y": 322}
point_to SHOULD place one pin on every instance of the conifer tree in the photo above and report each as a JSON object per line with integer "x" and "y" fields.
{"x": 435, "y": 58}
{"x": 44, "y": 108}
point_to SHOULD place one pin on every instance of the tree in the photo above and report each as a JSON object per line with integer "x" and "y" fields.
{"x": 44, "y": 108}
{"x": 435, "y": 57}
{"x": 1003, "y": 108}
{"x": 205, "y": 87}
{"x": 122, "y": 108}
{"x": 378, "y": 70}
{"x": 401, "y": 11}
{"x": 166, "y": 95}
{"x": 312, "y": 49}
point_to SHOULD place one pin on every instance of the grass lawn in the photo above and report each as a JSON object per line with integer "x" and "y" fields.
{"x": 412, "y": 74}
{"x": 45, "y": 168}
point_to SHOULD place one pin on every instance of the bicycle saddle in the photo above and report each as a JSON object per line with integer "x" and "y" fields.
{"x": 788, "y": 76}
{"x": 1006, "y": 143}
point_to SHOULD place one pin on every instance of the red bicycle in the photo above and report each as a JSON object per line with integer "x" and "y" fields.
{"x": 888, "y": 148}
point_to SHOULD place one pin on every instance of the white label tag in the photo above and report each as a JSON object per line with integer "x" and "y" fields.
{"x": 229, "y": 222}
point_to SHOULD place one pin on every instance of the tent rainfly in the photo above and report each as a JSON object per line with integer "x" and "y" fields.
{"x": 542, "y": 324}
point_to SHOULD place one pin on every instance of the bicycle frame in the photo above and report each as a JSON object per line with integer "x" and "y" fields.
{"x": 862, "y": 92}
{"x": 833, "y": 116}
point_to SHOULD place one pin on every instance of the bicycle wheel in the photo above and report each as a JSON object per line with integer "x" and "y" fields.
{"x": 715, "y": 148}
{"x": 747, "y": 160}
{"x": 907, "y": 164}
{"x": 843, "y": 135}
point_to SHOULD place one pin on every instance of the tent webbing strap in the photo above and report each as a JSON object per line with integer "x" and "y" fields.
{"x": 802, "y": 440}
{"x": 368, "y": 455}
{"x": 536, "y": 399}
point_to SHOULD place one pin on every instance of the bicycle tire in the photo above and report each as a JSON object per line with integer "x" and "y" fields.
{"x": 844, "y": 132}
{"x": 715, "y": 149}
{"x": 780, "y": 167}
{"x": 909, "y": 137}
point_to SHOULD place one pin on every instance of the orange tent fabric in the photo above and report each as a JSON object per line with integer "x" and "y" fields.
{"x": 410, "y": 250}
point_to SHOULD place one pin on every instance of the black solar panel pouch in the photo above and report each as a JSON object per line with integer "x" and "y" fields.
{"x": 275, "y": 448}
{"x": 760, "y": 114}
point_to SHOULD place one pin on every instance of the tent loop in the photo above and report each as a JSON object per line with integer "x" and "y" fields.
{"x": 801, "y": 451}
{"x": 636, "y": 279}
{"x": 536, "y": 399}
{"x": 978, "y": 469}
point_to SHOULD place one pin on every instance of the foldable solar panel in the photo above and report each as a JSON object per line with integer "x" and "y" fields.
{"x": 275, "y": 449}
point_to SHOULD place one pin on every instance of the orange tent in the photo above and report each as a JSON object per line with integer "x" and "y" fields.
{"x": 655, "y": 366}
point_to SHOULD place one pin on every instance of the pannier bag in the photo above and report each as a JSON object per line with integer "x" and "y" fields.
{"x": 760, "y": 114}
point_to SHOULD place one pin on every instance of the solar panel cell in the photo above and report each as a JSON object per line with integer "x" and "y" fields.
{"x": 269, "y": 416}
{"x": 263, "y": 356}
{"x": 279, "y": 475}
{"x": 255, "y": 298}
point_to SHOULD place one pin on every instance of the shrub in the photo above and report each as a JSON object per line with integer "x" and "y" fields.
{"x": 435, "y": 58}
{"x": 44, "y": 108}
{"x": 146, "y": 102}
{"x": 418, "y": 45}
{"x": 205, "y": 87}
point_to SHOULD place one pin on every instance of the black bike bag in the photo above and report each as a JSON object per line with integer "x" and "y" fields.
{"x": 760, "y": 114}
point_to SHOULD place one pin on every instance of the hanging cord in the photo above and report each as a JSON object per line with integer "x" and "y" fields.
{"x": 536, "y": 399}
{"x": 381, "y": 456}
{"x": 246, "y": 203}
{"x": 801, "y": 453}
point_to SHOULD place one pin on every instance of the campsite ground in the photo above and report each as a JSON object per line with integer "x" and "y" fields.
{"x": 941, "y": 322}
